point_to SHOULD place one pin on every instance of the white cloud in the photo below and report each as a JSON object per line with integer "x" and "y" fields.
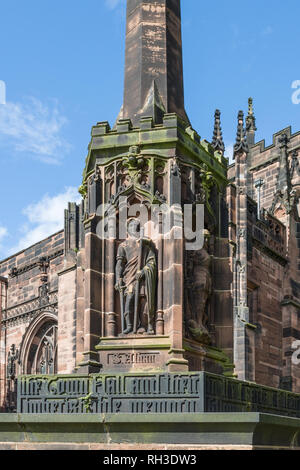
{"x": 44, "y": 217}
{"x": 111, "y": 4}
{"x": 3, "y": 234}
{"x": 35, "y": 128}
{"x": 267, "y": 31}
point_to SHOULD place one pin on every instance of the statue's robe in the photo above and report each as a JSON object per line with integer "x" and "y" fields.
{"x": 128, "y": 254}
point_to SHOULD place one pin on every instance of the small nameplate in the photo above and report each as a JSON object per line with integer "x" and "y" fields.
{"x": 132, "y": 358}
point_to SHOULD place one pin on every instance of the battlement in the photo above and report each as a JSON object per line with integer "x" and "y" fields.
{"x": 108, "y": 143}
{"x": 287, "y": 130}
{"x": 261, "y": 155}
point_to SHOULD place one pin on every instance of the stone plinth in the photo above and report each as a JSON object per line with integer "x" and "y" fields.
{"x": 134, "y": 353}
{"x": 128, "y": 432}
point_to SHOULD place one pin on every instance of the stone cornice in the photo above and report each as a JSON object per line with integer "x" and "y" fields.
{"x": 268, "y": 251}
{"x": 67, "y": 270}
{"x": 17, "y": 271}
{"x": 290, "y": 302}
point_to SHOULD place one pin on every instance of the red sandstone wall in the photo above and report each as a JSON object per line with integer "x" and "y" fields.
{"x": 23, "y": 292}
{"x": 24, "y": 286}
{"x": 265, "y": 312}
{"x": 264, "y": 163}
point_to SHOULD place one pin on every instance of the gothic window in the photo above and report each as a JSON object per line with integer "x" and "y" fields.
{"x": 39, "y": 346}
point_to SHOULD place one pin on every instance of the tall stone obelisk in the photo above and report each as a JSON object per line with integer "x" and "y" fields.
{"x": 153, "y": 82}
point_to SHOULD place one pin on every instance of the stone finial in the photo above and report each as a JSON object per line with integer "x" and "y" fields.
{"x": 250, "y": 123}
{"x": 217, "y": 140}
{"x": 250, "y": 106}
{"x": 241, "y": 144}
{"x": 283, "y": 141}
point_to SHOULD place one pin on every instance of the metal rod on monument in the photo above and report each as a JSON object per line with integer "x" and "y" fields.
{"x": 137, "y": 287}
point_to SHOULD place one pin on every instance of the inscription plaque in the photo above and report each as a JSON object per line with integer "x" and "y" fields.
{"x": 132, "y": 358}
{"x": 150, "y": 393}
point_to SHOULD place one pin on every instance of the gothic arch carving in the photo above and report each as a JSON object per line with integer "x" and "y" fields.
{"x": 38, "y": 349}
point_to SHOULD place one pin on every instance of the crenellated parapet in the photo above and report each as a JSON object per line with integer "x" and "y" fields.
{"x": 137, "y": 158}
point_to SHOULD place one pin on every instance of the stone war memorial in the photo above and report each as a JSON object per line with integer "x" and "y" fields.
{"x": 166, "y": 312}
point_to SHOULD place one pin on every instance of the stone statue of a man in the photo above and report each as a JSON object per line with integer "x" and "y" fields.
{"x": 199, "y": 289}
{"x": 136, "y": 275}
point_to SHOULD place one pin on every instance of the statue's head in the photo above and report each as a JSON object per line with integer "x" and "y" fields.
{"x": 206, "y": 234}
{"x": 206, "y": 238}
{"x": 133, "y": 228}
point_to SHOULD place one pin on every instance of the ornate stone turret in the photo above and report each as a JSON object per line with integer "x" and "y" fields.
{"x": 217, "y": 140}
{"x": 240, "y": 300}
{"x": 241, "y": 144}
{"x": 153, "y": 61}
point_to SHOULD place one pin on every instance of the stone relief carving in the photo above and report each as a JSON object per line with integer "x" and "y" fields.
{"x": 12, "y": 357}
{"x": 199, "y": 289}
{"x": 25, "y": 312}
{"x": 283, "y": 200}
{"x": 294, "y": 167}
{"x": 11, "y": 373}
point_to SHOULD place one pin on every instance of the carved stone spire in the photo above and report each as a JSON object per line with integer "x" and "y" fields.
{"x": 217, "y": 140}
{"x": 241, "y": 310}
{"x": 153, "y": 61}
{"x": 241, "y": 144}
{"x": 250, "y": 124}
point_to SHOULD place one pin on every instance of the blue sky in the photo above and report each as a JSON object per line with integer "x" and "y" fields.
{"x": 62, "y": 63}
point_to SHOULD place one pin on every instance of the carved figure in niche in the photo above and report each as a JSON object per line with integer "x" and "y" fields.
{"x": 136, "y": 275}
{"x": 12, "y": 357}
{"x": 199, "y": 288}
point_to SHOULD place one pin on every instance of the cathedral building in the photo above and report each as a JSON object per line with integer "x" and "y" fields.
{"x": 83, "y": 303}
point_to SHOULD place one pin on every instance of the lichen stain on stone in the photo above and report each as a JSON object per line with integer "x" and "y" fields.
{"x": 158, "y": 9}
{"x": 155, "y": 34}
{"x": 155, "y": 70}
